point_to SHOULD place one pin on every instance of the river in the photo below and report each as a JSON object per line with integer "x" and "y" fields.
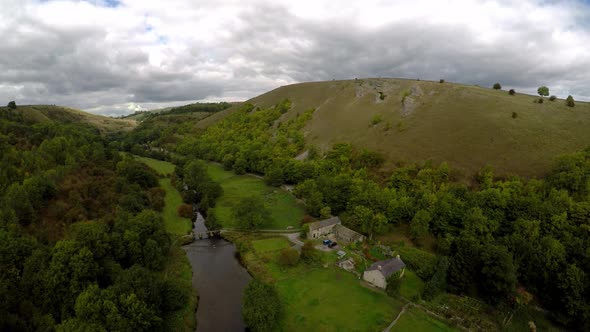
{"x": 219, "y": 279}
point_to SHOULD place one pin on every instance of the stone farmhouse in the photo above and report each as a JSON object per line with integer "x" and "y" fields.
{"x": 332, "y": 227}
{"x": 378, "y": 272}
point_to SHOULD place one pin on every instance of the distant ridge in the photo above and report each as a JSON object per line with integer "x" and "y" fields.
{"x": 44, "y": 113}
{"x": 416, "y": 121}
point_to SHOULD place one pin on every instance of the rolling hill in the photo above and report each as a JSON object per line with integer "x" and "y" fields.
{"x": 43, "y": 113}
{"x": 414, "y": 121}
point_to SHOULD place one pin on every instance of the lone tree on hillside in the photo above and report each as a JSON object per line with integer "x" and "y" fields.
{"x": 543, "y": 91}
{"x": 570, "y": 101}
{"x": 511, "y": 92}
{"x": 12, "y": 105}
{"x": 497, "y": 86}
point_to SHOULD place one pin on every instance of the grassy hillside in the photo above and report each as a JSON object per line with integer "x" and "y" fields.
{"x": 43, "y": 113}
{"x": 416, "y": 121}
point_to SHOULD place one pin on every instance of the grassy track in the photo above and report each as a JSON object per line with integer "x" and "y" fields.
{"x": 282, "y": 205}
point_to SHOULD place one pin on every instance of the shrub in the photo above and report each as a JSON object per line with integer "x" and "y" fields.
{"x": 497, "y": 86}
{"x": 387, "y": 126}
{"x": 289, "y": 257}
{"x": 12, "y": 105}
{"x": 514, "y": 115}
{"x": 393, "y": 284}
{"x": 552, "y": 98}
{"x": 185, "y": 211}
{"x": 570, "y": 101}
{"x": 376, "y": 119}
{"x": 382, "y": 95}
{"x": 512, "y": 92}
{"x": 540, "y": 100}
{"x": 441, "y": 81}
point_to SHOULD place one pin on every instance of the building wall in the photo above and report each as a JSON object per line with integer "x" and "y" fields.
{"x": 376, "y": 278}
{"x": 318, "y": 233}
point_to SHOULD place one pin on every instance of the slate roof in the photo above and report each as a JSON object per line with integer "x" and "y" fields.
{"x": 324, "y": 223}
{"x": 388, "y": 266}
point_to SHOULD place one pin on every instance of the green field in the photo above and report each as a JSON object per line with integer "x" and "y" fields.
{"x": 417, "y": 321}
{"x": 272, "y": 244}
{"x": 174, "y": 224}
{"x": 283, "y": 208}
{"x": 162, "y": 167}
{"x": 333, "y": 300}
{"x": 466, "y": 126}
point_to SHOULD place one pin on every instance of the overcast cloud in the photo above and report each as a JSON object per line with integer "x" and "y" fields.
{"x": 115, "y": 57}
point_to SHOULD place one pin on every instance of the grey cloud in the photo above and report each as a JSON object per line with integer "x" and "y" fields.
{"x": 83, "y": 68}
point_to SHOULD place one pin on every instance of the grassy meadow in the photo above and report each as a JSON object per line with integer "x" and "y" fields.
{"x": 174, "y": 224}
{"x": 466, "y": 126}
{"x": 283, "y": 208}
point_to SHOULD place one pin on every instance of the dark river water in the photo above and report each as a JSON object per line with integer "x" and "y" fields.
{"x": 219, "y": 278}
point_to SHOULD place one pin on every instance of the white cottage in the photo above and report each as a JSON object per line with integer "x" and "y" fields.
{"x": 378, "y": 272}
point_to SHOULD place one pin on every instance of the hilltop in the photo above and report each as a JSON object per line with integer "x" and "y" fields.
{"x": 415, "y": 121}
{"x": 44, "y": 113}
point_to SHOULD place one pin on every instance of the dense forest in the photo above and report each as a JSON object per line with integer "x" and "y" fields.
{"x": 82, "y": 244}
{"x": 507, "y": 241}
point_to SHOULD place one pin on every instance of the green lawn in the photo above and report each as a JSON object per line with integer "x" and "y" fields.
{"x": 411, "y": 286}
{"x": 330, "y": 299}
{"x": 162, "y": 167}
{"x": 271, "y": 244}
{"x": 417, "y": 321}
{"x": 283, "y": 208}
{"x": 174, "y": 224}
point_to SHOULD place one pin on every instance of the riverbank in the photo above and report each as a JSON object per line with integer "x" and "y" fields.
{"x": 177, "y": 265}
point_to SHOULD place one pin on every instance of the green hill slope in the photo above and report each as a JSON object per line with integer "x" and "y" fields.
{"x": 415, "y": 121}
{"x": 43, "y": 113}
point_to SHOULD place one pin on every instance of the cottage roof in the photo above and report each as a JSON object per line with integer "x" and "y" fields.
{"x": 388, "y": 266}
{"x": 324, "y": 223}
{"x": 344, "y": 231}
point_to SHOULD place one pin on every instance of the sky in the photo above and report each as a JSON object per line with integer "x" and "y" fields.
{"x": 114, "y": 57}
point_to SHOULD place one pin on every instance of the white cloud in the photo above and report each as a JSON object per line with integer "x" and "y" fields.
{"x": 114, "y": 57}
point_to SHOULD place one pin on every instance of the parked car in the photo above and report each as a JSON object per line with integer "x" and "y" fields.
{"x": 327, "y": 242}
{"x": 332, "y": 245}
